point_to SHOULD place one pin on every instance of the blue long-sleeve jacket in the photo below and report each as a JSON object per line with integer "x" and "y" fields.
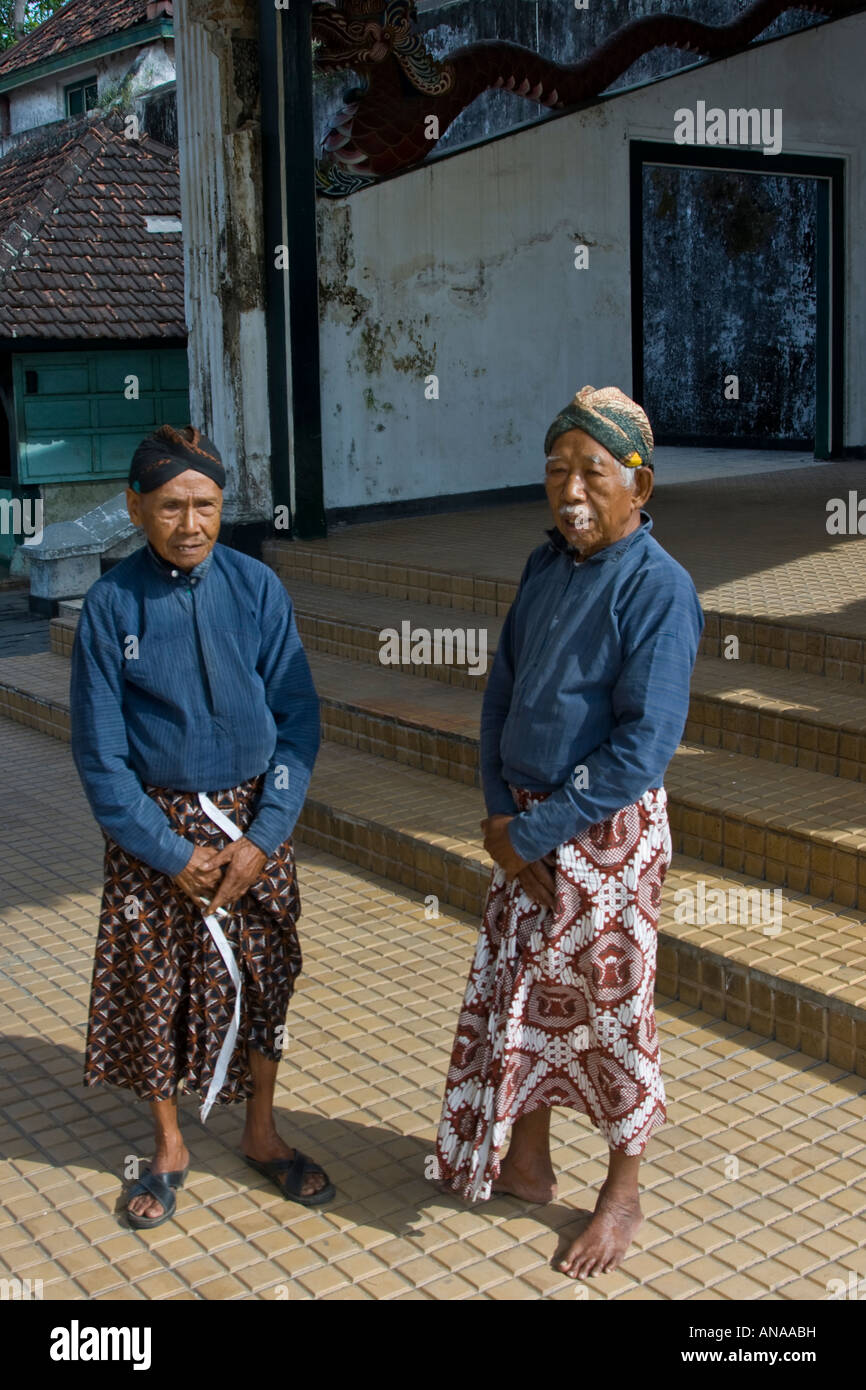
{"x": 214, "y": 688}
{"x": 589, "y": 690}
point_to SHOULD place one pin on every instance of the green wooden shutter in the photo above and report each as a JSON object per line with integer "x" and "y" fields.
{"x": 79, "y": 416}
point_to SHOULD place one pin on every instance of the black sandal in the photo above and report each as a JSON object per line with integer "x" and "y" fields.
{"x": 288, "y": 1175}
{"x": 160, "y": 1186}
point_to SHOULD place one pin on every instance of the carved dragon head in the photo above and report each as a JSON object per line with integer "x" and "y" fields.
{"x": 359, "y": 33}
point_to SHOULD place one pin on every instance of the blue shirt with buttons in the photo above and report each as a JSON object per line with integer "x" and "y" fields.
{"x": 195, "y": 682}
{"x": 588, "y": 694}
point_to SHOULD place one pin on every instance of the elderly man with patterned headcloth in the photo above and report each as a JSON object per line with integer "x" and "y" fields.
{"x": 195, "y": 727}
{"x": 585, "y": 705}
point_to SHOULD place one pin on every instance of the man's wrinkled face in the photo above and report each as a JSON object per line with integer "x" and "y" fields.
{"x": 592, "y": 504}
{"x": 181, "y": 519}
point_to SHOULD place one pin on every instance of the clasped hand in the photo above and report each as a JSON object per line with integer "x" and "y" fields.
{"x": 536, "y": 878}
{"x": 203, "y": 876}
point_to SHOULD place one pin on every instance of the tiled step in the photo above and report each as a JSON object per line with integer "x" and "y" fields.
{"x": 797, "y": 645}
{"x": 809, "y": 721}
{"x": 349, "y": 625}
{"x": 778, "y": 822}
{"x": 421, "y": 723}
{"x": 805, "y": 721}
{"x": 34, "y": 690}
{"x": 61, "y": 634}
{"x": 799, "y": 976}
{"x": 322, "y": 564}
{"x": 416, "y": 828}
{"x": 801, "y": 984}
{"x": 812, "y": 722}
{"x": 801, "y": 644}
{"x": 795, "y": 828}
{"x": 804, "y": 830}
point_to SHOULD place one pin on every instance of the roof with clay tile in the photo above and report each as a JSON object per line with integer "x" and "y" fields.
{"x": 76, "y": 257}
{"x": 78, "y": 23}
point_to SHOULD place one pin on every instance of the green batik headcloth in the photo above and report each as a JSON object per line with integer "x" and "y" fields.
{"x": 611, "y": 418}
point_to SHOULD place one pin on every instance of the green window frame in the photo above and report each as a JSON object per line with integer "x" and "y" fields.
{"x": 81, "y": 96}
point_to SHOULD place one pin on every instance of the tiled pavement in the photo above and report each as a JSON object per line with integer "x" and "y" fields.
{"x": 20, "y": 630}
{"x": 754, "y": 1190}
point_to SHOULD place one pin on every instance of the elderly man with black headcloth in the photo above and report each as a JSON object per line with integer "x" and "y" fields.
{"x": 586, "y": 702}
{"x": 195, "y": 727}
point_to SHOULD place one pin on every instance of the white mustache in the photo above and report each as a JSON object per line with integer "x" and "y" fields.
{"x": 578, "y": 516}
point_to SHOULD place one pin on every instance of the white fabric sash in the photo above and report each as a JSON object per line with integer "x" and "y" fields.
{"x": 220, "y": 941}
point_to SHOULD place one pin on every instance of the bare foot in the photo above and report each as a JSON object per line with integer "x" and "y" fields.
{"x": 602, "y": 1245}
{"x": 533, "y": 1184}
{"x": 269, "y": 1148}
{"x": 170, "y": 1157}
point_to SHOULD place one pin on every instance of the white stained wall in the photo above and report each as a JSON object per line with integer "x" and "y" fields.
{"x": 37, "y": 103}
{"x": 465, "y": 269}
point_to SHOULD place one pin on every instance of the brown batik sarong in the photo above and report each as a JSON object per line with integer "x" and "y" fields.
{"x": 558, "y": 1008}
{"x": 162, "y": 998}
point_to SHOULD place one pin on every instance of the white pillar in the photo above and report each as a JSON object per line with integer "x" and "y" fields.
{"x": 220, "y": 159}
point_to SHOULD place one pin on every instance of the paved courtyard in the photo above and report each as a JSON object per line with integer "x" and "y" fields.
{"x": 754, "y": 1190}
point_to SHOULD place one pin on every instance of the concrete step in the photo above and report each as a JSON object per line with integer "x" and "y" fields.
{"x": 797, "y": 973}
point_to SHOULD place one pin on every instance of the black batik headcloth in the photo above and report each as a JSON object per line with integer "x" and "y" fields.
{"x": 164, "y": 455}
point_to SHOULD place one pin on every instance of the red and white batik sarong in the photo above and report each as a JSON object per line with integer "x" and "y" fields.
{"x": 558, "y": 1008}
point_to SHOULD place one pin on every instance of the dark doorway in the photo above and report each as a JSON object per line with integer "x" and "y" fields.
{"x": 289, "y": 219}
{"x": 736, "y": 297}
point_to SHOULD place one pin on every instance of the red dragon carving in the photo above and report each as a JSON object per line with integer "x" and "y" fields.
{"x": 383, "y": 125}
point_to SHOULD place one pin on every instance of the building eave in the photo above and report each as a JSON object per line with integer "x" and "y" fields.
{"x": 97, "y": 343}
{"x": 74, "y": 57}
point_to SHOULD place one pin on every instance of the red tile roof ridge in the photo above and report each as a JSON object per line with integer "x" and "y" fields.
{"x": 24, "y": 225}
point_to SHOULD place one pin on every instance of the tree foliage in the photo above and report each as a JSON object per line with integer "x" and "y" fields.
{"x": 24, "y": 15}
